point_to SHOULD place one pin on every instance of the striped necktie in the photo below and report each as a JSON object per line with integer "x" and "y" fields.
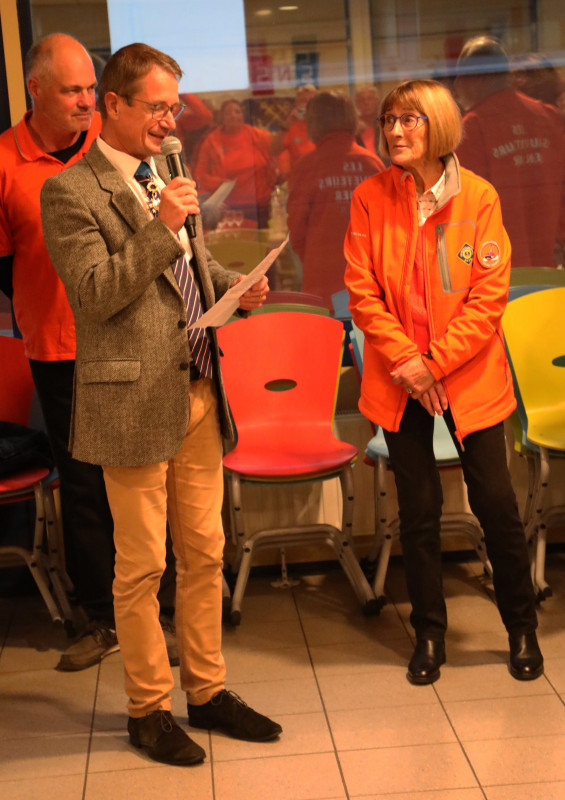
{"x": 197, "y": 338}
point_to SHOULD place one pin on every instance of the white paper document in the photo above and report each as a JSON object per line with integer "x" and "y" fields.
{"x": 226, "y": 305}
{"x": 219, "y": 195}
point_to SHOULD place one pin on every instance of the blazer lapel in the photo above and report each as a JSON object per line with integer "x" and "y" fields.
{"x": 110, "y": 180}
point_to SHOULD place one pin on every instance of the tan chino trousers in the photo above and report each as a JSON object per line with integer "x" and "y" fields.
{"x": 189, "y": 490}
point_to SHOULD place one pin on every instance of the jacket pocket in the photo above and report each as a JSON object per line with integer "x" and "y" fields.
{"x": 455, "y": 243}
{"x": 109, "y": 371}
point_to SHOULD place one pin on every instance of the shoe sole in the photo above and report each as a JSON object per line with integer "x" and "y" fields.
{"x": 424, "y": 680}
{"x": 525, "y": 676}
{"x": 189, "y": 762}
{"x": 70, "y": 667}
{"x": 271, "y": 737}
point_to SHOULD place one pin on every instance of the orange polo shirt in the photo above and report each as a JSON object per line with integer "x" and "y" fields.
{"x": 41, "y": 307}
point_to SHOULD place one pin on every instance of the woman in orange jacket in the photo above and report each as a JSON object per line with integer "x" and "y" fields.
{"x": 428, "y": 268}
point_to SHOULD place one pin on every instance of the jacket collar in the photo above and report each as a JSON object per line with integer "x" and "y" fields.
{"x": 452, "y": 179}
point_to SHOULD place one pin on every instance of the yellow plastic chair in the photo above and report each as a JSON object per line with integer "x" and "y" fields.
{"x": 535, "y": 341}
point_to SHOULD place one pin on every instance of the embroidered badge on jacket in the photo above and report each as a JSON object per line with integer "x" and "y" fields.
{"x": 489, "y": 254}
{"x": 466, "y": 253}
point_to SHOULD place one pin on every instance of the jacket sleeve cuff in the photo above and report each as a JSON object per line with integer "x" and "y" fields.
{"x": 432, "y": 366}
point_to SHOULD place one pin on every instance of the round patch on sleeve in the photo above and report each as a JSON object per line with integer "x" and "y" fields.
{"x": 489, "y": 254}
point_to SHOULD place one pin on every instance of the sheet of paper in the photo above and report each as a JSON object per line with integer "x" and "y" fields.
{"x": 218, "y": 197}
{"x": 227, "y": 305}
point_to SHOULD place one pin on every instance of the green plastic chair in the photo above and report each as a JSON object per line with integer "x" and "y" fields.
{"x": 543, "y": 276}
{"x": 304, "y": 308}
{"x": 535, "y": 342}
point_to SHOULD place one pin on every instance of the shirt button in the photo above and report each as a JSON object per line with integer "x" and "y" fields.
{"x": 181, "y": 323}
{"x": 183, "y": 366}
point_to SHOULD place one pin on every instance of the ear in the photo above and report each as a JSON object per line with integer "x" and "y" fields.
{"x": 111, "y": 101}
{"x": 33, "y": 87}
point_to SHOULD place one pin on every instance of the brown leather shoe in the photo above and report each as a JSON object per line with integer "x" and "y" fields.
{"x": 162, "y": 738}
{"x": 526, "y": 660}
{"x": 426, "y": 660}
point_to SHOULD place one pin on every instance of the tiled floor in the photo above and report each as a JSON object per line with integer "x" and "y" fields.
{"x": 353, "y": 726}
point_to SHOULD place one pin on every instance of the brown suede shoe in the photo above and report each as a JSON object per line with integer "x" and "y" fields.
{"x": 162, "y": 738}
{"x": 228, "y": 713}
{"x": 96, "y": 641}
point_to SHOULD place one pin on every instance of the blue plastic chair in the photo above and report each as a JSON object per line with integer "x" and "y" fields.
{"x": 386, "y": 522}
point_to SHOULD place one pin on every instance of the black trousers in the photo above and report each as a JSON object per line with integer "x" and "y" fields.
{"x": 492, "y": 500}
{"x": 87, "y": 520}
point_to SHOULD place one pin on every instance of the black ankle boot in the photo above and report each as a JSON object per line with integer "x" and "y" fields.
{"x": 526, "y": 660}
{"x": 426, "y": 660}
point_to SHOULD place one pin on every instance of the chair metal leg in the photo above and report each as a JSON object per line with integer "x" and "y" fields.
{"x": 59, "y": 578}
{"x": 542, "y": 588}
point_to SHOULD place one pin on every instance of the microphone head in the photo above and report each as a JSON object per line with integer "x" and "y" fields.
{"x": 171, "y": 146}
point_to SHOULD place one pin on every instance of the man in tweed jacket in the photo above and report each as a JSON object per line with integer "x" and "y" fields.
{"x": 141, "y": 409}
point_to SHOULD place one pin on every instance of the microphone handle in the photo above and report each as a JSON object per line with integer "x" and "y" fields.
{"x": 178, "y": 170}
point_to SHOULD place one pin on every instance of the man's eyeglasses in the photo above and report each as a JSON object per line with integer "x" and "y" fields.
{"x": 159, "y": 110}
{"x": 407, "y": 121}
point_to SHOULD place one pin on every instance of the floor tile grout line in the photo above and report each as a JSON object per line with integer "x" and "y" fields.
{"x": 212, "y": 764}
{"x": 91, "y": 732}
{"x": 460, "y": 743}
{"x": 336, "y": 754}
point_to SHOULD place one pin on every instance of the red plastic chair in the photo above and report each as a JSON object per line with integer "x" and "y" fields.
{"x": 281, "y": 372}
{"x": 44, "y": 558}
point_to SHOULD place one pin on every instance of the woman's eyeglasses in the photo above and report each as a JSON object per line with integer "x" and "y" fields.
{"x": 407, "y": 121}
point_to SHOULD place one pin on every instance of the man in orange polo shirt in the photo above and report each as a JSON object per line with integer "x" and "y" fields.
{"x": 55, "y": 134}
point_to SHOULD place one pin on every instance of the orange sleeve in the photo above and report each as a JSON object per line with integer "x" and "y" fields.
{"x": 480, "y": 317}
{"x": 369, "y": 308}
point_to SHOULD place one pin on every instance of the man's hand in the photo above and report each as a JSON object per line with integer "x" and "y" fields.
{"x": 255, "y": 296}
{"x": 414, "y": 376}
{"x": 435, "y": 400}
{"x": 178, "y": 199}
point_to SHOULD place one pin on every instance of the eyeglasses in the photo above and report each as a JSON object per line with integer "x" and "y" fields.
{"x": 407, "y": 121}
{"x": 159, "y": 110}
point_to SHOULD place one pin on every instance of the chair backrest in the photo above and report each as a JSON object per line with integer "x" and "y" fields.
{"x": 281, "y": 369}
{"x": 239, "y": 255}
{"x": 16, "y": 382}
{"x": 300, "y": 298}
{"x": 542, "y": 276}
{"x": 358, "y": 341}
{"x": 535, "y": 340}
{"x": 340, "y": 304}
{"x": 269, "y": 308}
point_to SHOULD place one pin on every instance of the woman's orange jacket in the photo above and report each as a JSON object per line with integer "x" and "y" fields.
{"x": 466, "y": 255}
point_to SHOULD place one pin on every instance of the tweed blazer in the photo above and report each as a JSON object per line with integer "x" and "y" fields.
{"x": 130, "y": 400}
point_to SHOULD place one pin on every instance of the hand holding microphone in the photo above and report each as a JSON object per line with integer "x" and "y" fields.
{"x": 179, "y": 201}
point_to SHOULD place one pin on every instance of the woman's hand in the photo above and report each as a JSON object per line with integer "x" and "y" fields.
{"x": 414, "y": 376}
{"x": 435, "y": 399}
{"x": 255, "y": 296}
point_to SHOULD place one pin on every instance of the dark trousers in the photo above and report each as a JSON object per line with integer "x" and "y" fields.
{"x": 492, "y": 500}
{"x": 87, "y": 520}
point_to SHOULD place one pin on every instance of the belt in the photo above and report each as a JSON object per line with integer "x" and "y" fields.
{"x": 194, "y": 373}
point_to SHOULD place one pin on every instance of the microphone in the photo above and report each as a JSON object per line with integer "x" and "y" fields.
{"x": 171, "y": 148}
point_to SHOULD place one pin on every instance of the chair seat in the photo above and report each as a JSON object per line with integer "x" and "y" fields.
{"x": 301, "y": 457}
{"x": 444, "y": 449}
{"x": 23, "y": 480}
